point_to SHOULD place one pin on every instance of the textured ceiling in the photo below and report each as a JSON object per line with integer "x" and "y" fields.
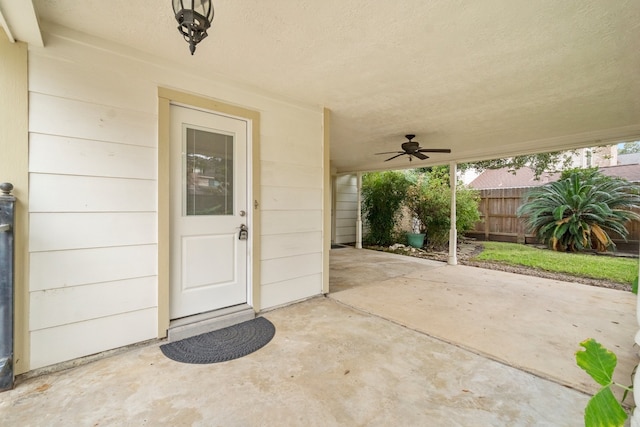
{"x": 484, "y": 78}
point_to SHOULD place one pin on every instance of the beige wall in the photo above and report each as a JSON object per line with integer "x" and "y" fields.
{"x": 13, "y": 168}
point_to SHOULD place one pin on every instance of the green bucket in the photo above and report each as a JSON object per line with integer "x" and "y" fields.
{"x": 416, "y": 240}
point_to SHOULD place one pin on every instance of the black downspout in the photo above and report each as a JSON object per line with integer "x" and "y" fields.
{"x": 7, "y": 206}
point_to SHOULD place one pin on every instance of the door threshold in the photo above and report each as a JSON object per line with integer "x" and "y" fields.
{"x": 186, "y": 327}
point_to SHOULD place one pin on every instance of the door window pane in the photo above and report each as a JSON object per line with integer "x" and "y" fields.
{"x": 208, "y": 173}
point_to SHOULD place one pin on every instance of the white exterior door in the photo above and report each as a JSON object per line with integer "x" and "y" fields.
{"x": 208, "y": 209}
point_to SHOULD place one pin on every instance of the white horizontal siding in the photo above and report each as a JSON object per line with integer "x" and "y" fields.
{"x": 347, "y": 197}
{"x": 345, "y": 231}
{"x": 284, "y": 222}
{"x": 93, "y": 208}
{"x": 91, "y": 301}
{"x": 347, "y": 183}
{"x": 299, "y": 143}
{"x": 284, "y": 292}
{"x": 344, "y": 222}
{"x": 294, "y": 154}
{"x": 291, "y": 199}
{"x": 66, "y": 193}
{"x": 346, "y": 208}
{"x": 277, "y": 174}
{"x": 71, "y": 156}
{"x": 349, "y": 214}
{"x": 52, "y": 115}
{"x": 287, "y": 245}
{"x": 282, "y": 269}
{"x": 60, "y": 231}
{"x": 73, "y": 340}
{"x": 292, "y": 208}
{"x": 88, "y": 82}
{"x": 93, "y": 170}
{"x": 57, "y": 269}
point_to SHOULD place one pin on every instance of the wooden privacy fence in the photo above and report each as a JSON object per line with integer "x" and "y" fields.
{"x": 499, "y": 221}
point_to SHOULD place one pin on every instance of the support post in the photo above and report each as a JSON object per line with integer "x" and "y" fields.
{"x": 359, "y": 212}
{"x": 635, "y": 417}
{"x": 7, "y": 207}
{"x": 453, "y": 234}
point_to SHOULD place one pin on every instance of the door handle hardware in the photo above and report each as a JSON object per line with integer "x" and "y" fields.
{"x": 244, "y": 232}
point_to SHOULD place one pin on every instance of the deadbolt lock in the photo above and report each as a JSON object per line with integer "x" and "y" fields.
{"x": 244, "y": 232}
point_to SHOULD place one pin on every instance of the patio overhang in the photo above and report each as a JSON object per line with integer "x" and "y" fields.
{"x": 487, "y": 80}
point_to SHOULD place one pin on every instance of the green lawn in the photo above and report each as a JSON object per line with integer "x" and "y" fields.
{"x": 615, "y": 269}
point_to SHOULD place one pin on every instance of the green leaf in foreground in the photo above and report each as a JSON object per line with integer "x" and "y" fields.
{"x": 597, "y": 361}
{"x": 603, "y": 410}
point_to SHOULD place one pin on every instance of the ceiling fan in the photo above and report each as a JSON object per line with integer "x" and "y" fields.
{"x": 412, "y": 149}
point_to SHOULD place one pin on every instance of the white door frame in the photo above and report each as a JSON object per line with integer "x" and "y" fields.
{"x": 166, "y": 97}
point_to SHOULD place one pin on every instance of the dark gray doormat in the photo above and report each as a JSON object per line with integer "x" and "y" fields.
{"x": 222, "y": 345}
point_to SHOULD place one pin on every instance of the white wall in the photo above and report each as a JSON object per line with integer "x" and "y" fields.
{"x": 93, "y": 202}
{"x": 346, "y": 208}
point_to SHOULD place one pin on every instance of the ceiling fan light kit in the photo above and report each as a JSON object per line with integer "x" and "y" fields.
{"x": 412, "y": 149}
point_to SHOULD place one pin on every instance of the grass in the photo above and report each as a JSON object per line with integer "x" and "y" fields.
{"x": 615, "y": 269}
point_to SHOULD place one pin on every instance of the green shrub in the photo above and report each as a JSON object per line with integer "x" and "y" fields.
{"x": 578, "y": 212}
{"x": 429, "y": 200}
{"x": 382, "y": 196}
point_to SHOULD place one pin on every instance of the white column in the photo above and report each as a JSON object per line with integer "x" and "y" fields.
{"x": 635, "y": 417}
{"x": 359, "y": 213}
{"x": 453, "y": 234}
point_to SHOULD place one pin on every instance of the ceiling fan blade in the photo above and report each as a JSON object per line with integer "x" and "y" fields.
{"x": 391, "y": 158}
{"x": 390, "y": 152}
{"x": 420, "y": 155}
{"x": 434, "y": 150}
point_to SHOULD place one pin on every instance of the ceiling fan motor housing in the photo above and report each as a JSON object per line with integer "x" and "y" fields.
{"x": 410, "y": 146}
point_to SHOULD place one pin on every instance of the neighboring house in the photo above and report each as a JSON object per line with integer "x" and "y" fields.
{"x": 578, "y": 158}
{"x": 525, "y": 177}
{"x": 595, "y": 156}
{"x": 629, "y": 159}
{"x": 504, "y": 178}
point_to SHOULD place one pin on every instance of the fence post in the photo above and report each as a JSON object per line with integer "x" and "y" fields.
{"x": 520, "y": 226}
{"x": 7, "y": 206}
{"x": 486, "y": 216}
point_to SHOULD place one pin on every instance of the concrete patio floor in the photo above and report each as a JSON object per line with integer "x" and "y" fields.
{"x": 344, "y": 360}
{"x": 531, "y": 323}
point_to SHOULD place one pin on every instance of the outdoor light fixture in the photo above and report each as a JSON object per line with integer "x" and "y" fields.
{"x": 193, "y": 20}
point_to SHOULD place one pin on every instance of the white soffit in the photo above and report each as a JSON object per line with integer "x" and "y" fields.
{"x": 485, "y": 78}
{"x": 18, "y": 19}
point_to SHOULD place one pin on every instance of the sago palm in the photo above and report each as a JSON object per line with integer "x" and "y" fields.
{"x": 579, "y": 212}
